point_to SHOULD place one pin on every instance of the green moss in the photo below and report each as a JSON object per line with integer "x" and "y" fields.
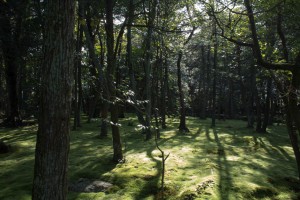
{"x": 241, "y": 163}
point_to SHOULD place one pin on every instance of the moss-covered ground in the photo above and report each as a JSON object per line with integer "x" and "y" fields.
{"x": 227, "y": 162}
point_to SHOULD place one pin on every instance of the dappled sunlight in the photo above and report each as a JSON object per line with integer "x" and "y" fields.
{"x": 221, "y": 163}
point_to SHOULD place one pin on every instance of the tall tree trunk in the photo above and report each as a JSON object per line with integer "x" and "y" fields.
{"x": 148, "y": 70}
{"x": 104, "y": 94}
{"x": 52, "y": 146}
{"x": 182, "y": 125}
{"x": 11, "y": 59}
{"x": 251, "y": 97}
{"x": 214, "y": 89}
{"x": 258, "y": 111}
{"x": 267, "y": 106}
{"x": 77, "y": 77}
{"x": 111, "y": 70}
{"x": 205, "y": 90}
{"x": 163, "y": 95}
{"x": 129, "y": 63}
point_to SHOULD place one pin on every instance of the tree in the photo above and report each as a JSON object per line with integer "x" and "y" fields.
{"x": 182, "y": 125}
{"x": 10, "y": 35}
{"x": 52, "y": 146}
{"x": 111, "y": 70}
{"x": 148, "y": 40}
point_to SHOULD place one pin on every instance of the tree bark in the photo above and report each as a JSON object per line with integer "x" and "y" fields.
{"x": 267, "y": 106}
{"x": 251, "y": 97}
{"x": 111, "y": 70}
{"x": 11, "y": 59}
{"x": 182, "y": 125}
{"x": 164, "y": 88}
{"x": 52, "y": 146}
{"x": 205, "y": 89}
{"x": 77, "y": 77}
{"x": 148, "y": 70}
{"x": 213, "y": 117}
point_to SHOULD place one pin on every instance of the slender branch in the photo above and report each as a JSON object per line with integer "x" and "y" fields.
{"x": 120, "y": 35}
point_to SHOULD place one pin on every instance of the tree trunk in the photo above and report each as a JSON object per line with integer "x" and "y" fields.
{"x": 203, "y": 95}
{"x": 182, "y": 125}
{"x": 104, "y": 93}
{"x": 129, "y": 64}
{"x": 111, "y": 70}
{"x": 11, "y": 60}
{"x": 77, "y": 77}
{"x": 213, "y": 117}
{"x": 258, "y": 111}
{"x": 251, "y": 97}
{"x": 267, "y": 106}
{"x": 104, "y": 120}
{"x": 148, "y": 41}
{"x": 163, "y": 95}
{"x": 52, "y": 146}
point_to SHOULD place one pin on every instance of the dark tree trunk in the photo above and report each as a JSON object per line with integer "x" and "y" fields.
{"x": 104, "y": 120}
{"x": 104, "y": 93}
{"x": 148, "y": 70}
{"x": 163, "y": 95}
{"x": 182, "y": 125}
{"x": 121, "y": 107}
{"x": 77, "y": 76}
{"x": 251, "y": 97}
{"x": 96, "y": 69}
{"x": 111, "y": 70}
{"x": 267, "y": 106}
{"x": 11, "y": 59}
{"x": 242, "y": 85}
{"x": 52, "y": 146}
{"x": 214, "y": 94}
{"x": 258, "y": 111}
{"x": 138, "y": 112}
{"x": 205, "y": 89}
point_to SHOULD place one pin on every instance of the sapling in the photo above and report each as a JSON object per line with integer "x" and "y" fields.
{"x": 163, "y": 157}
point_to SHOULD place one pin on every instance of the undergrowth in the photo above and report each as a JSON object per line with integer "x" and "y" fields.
{"x": 227, "y": 162}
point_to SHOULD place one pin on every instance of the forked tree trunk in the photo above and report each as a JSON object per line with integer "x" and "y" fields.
{"x": 52, "y": 146}
{"x": 111, "y": 70}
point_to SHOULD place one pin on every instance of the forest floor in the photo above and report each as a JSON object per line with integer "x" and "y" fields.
{"x": 226, "y": 162}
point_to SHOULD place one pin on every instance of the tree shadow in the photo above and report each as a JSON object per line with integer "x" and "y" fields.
{"x": 225, "y": 179}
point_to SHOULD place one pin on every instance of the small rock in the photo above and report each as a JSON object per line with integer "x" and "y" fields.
{"x": 88, "y": 186}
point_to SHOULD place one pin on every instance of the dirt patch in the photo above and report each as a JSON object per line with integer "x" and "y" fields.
{"x": 87, "y": 186}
